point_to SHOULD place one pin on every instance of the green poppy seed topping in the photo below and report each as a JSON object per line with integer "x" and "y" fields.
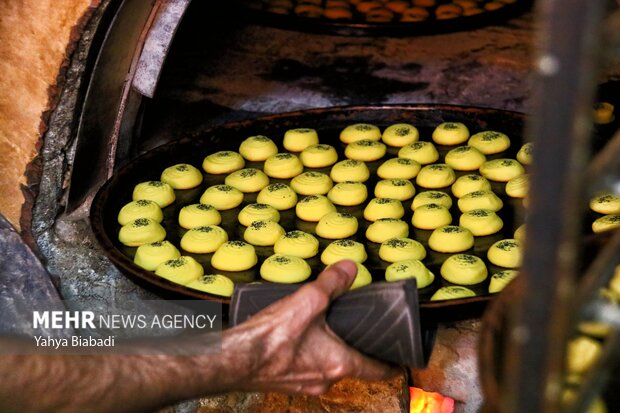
{"x": 141, "y": 222}
{"x": 256, "y": 225}
{"x": 322, "y": 147}
{"x": 345, "y": 243}
{"x": 204, "y": 207}
{"x": 399, "y": 182}
{"x": 433, "y": 206}
{"x": 248, "y": 173}
{"x": 507, "y": 245}
{"x": 402, "y": 131}
{"x": 208, "y": 279}
{"x": 605, "y": 199}
{"x": 450, "y": 126}
{"x": 503, "y": 274}
{"x": 182, "y": 167}
{"x": 259, "y": 206}
{"x": 313, "y": 174}
{"x": 507, "y": 162}
{"x": 401, "y": 268}
{"x": 276, "y": 187}
{"x": 490, "y": 136}
{"x": 397, "y": 243}
{"x": 294, "y": 234}
{"x": 310, "y": 198}
{"x": 383, "y": 201}
{"x": 205, "y": 229}
{"x": 237, "y": 244}
{"x": 480, "y": 213}
{"x": 466, "y": 259}
{"x": 404, "y": 161}
{"x": 179, "y": 262}
{"x": 474, "y": 177}
{"x": 388, "y": 220}
{"x": 224, "y": 154}
{"x": 451, "y": 229}
{"x": 345, "y": 215}
{"x": 280, "y": 259}
{"x": 282, "y": 156}
{"x": 157, "y": 244}
{"x": 156, "y": 184}
{"x": 462, "y": 149}
{"x": 418, "y": 145}
{"x": 351, "y": 163}
{"x": 363, "y": 127}
{"x": 224, "y": 188}
{"x": 437, "y": 195}
{"x": 303, "y": 130}
{"x": 366, "y": 143}
{"x": 260, "y": 138}
{"x": 143, "y": 202}
{"x": 437, "y": 167}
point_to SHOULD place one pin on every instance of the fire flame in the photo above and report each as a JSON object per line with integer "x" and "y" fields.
{"x": 428, "y": 402}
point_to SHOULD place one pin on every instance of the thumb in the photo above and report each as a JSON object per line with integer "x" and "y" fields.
{"x": 336, "y": 279}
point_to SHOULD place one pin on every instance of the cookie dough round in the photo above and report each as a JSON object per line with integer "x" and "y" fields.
{"x": 465, "y": 158}
{"x": 215, "y": 284}
{"x": 398, "y": 168}
{"x": 348, "y": 193}
{"x": 430, "y": 216}
{"x": 296, "y": 140}
{"x": 501, "y": 170}
{"x": 400, "y": 189}
{"x": 222, "y": 197}
{"x": 314, "y": 207}
{"x": 525, "y": 154}
{"x": 223, "y": 162}
{"x": 501, "y": 279}
{"x": 431, "y": 197}
{"x": 451, "y": 239}
{"x": 452, "y": 292}
{"x": 182, "y": 176}
{"x": 159, "y": 192}
{"x": 258, "y": 212}
{"x": 403, "y": 270}
{"x": 383, "y": 208}
{"x": 247, "y": 180}
{"x": 519, "y": 186}
{"x": 384, "y": 229}
{"x": 298, "y": 244}
{"x": 437, "y": 175}
{"x": 365, "y": 150}
{"x": 142, "y": 208}
{"x": 197, "y": 215}
{"x": 285, "y": 269}
{"x": 450, "y": 133}
{"x": 606, "y": 223}
{"x": 359, "y": 132}
{"x": 283, "y": 166}
{"x": 337, "y": 225}
{"x": 343, "y": 249}
{"x": 319, "y": 156}
{"x": 311, "y": 183}
{"x": 464, "y": 269}
{"x": 505, "y": 253}
{"x": 606, "y": 203}
{"x": 263, "y": 233}
{"x": 481, "y": 222}
{"x": 350, "y": 170}
{"x": 485, "y": 199}
{"x": 400, "y": 249}
{"x": 469, "y": 183}
{"x": 141, "y": 231}
{"x": 234, "y": 256}
{"x": 519, "y": 233}
{"x": 149, "y": 256}
{"x": 362, "y": 278}
{"x": 422, "y": 152}
{"x": 182, "y": 270}
{"x": 203, "y": 240}
{"x": 257, "y": 148}
{"x": 400, "y": 134}
{"x": 489, "y": 142}
{"x": 280, "y": 196}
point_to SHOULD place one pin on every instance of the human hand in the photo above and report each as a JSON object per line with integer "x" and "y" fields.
{"x": 293, "y": 350}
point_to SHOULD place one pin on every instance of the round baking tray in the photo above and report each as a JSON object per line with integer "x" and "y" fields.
{"x": 359, "y": 27}
{"x": 328, "y": 122}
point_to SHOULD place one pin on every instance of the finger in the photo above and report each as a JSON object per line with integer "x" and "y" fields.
{"x": 336, "y": 279}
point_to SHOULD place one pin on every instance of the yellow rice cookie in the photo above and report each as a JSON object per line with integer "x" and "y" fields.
{"x": 197, "y": 215}
{"x": 182, "y": 176}
{"x": 149, "y": 256}
{"x": 285, "y": 269}
{"x": 319, "y": 156}
{"x": 296, "y": 140}
{"x": 434, "y": 176}
{"x": 298, "y": 244}
{"x": 422, "y": 152}
{"x": 501, "y": 170}
{"x": 365, "y": 150}
{"x": 431, "y": 197}
{"x": 501, "y": 279}
{"x": 182, "y": 270}
{"x": 385, "y": 228}
{"x": 383, "y": 208}
{"x": 481, "y": 222}
{"x": 519, "y": 186}
{"x": 263, "y": 233}
{"x": 215, "y": 284}
{"x": 431, "y": 216}
{"x": 359, "y": 132}
{"x": 606, "y": 203}
{"x": 348, "y": 193}
{"x": 159, "y": 192}
{"x": 403, "y": 270}
{"x": 452, "y": 292}
{"x": 606, "y": 223}
{"x": 400, "y": 134}
{"x": 525, "y": 154}
{"x": 451, "y": 239}
{"x": 283, "y": 166}
{"x": 490, "y": 142}
{"x": 464, "y": 269}
{"x": 280, "y": 196}
{"x": 398, "y": 168}
{"x": 401, "y": 189}
{"x": 343, "y": 249}
{"x": 484, "y": 199}
{"x": 256, "y": 148}
{"x": 234, "y": 256}
{"x": 399, "y": 249}
{"x": 362, "y": 278}
{"x": 258, "y": 212}
{"x": 203, "y": 240}
{"x": 247, "y": 180}
{"x": 223, "y": 162}
{"x": 222, "y": 197}
{"x": 465, "y": 158}
{"x": 505, "y": 253}
{"x": 450, "y": 133}
{"x": 311, "y": 183}
{"x": 337, "y": 225}
{"x": 141, "y": 231}
{"x": 142, "y": 208}
{"x": 350, "y": 170}
{"x": 314, "y": 207}
{"x": 469, "y": 183}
